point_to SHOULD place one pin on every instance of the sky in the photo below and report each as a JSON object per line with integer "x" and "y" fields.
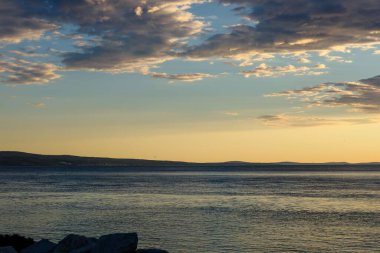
{"x": 192, "y": 80}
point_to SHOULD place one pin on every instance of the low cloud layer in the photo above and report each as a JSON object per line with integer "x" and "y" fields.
{"x": 363, "y": 95}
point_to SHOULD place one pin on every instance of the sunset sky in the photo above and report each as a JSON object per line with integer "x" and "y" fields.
{"x": 192, "y": 80}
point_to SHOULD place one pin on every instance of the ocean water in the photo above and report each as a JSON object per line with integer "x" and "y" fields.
{"x": 198, "y": 211}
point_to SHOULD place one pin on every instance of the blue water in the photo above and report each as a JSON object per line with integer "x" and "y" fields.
{"x": 198, "y": 211}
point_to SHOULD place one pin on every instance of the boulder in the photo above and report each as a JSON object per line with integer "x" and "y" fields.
{"x": 43, "y": 246}
{"x": 18, "y": 242}
{"x": 151, "y": 251}
{"x": 72, "y": 242}
{"x": 7, "y": 249}
{"x": 85, "y": 249}
{"x": 117, "y": 243}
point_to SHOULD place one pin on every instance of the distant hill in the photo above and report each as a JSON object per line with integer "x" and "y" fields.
{"x": 13, "y": 158}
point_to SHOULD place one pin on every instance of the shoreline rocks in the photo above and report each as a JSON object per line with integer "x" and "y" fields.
{"x": 72, "y": 243}
{"x": 75, "y": 244}
{"x": 116, "y": 243}
{"x": 7, "y": 249}
{"x": 42, "y": 246}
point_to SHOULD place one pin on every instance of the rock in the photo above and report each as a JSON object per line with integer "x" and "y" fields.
{"x": 117, "y": 243}
{"x": 86, "y": 249}
{"x": 7, "y": 249}
{"x": 43, "y": 246}
{"x": 151, "y": 251}
{"x": 18, "y": 242}
{"x": 72, "y": 242}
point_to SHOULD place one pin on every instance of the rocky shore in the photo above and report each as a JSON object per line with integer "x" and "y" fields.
{"x": 112, "y": 243}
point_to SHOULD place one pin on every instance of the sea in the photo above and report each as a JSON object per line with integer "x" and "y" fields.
{"x": 199, "y": 210}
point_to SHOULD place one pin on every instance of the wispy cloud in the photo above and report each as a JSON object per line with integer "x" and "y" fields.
{"x": 17, "y": 71}
{"x": 190, "y": 77}
{"x": 263, "y": 70}
{"x": 231, "y": 114}
{"x": 333, "y": 58}
{"x": 286, "y": 120}
{"x": 27, "y": 53}
{"x": 363, "y": 95}
{"x": 38, "y": 105}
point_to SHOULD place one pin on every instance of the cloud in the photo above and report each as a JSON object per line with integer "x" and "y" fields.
{"x": 264, "y": 70}
{"x": 284, "y": 26}
{"x": 363, "y": 95}
{"x": 115, "y": 36}
{"x": 38, "y": 105}
{"x": 334, "y": 58}
{"x": 16, "y": 71}
{"x": 231, "y": 114}
{"x": 139, "y": 11}
{"x": 304, "y": 60}
{"x": 131, "y": 36}
{"x": 26, "y": 53}
{"x": 137, "y": 36}
{"x": 285, "y": 120}
{"x": 192, "y": 77}
{"x": 18, "y": 23}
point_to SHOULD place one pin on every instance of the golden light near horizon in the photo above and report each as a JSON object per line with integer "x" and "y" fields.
{"x": 191, "y": 80}
{"x": 141, "y": 126}
{"x": 347, "y": 143}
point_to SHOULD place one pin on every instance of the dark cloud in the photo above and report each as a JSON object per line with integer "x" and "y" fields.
{"x": 18, "y": 23}
{"x": 363, "y": 95}
{"x": 130, "y": 35}
{"x": 292, "y": 26}
{"x": 138, "y": 35}
{"x": 115, "y": 35}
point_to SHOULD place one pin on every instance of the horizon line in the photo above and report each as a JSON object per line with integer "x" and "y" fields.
{"x": 190, "y": 162}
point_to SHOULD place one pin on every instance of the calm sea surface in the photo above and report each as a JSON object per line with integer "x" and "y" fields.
{"x": 198, "y": 211}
